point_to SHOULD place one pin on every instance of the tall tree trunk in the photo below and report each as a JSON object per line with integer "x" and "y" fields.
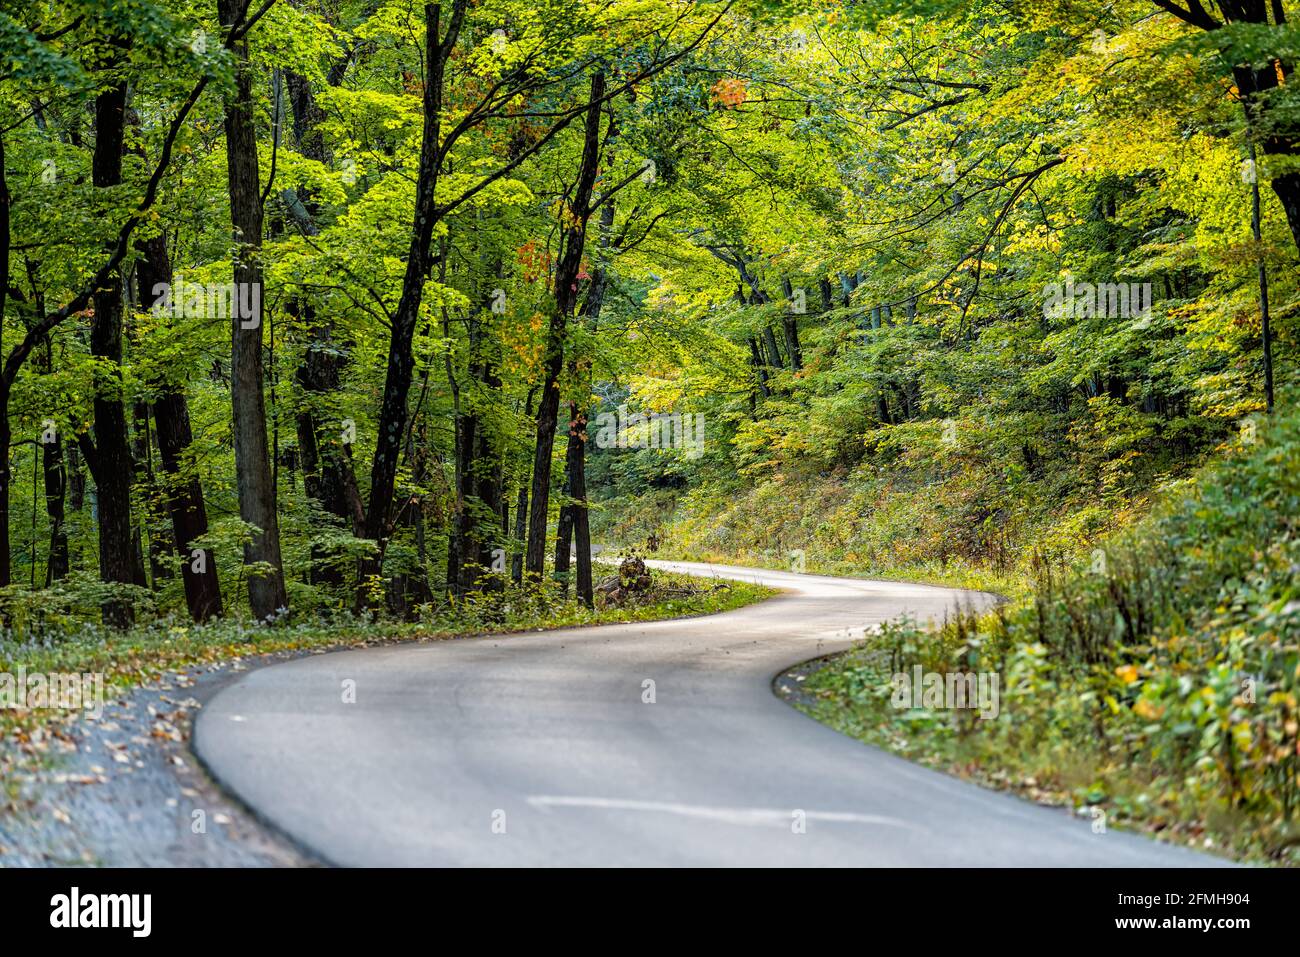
{"x": 257, "y": 494}
{"x": 566, "y": 297}
{"x": 401, "y": 362}
{"x": 790, "y": 327}
{"x": 159, "y": 567}
{"x": 55, "y": 488}
{"x": 56, "y": 485}
{"x": 182, "y": 490}
{"x": 487, "y": 475}
{"x": 578, "y": 513}
{"x": 521, "y": 529}
{"x": 564, "y": 526}
{"x": 579, "y": 516}
{"x": 521, "y": 509}
{"x": 760, "y": 367}
{"x": 407, "y": 591}
{"x": 109, "y": 454}
{"x": 76, "y": 477}
{"x": 460, "y": 573}
{"x": 774, "y": 359}
{"x": 328, "y": 476}
{"x": 477, "y": 479}
{"x": 327, "y": 472}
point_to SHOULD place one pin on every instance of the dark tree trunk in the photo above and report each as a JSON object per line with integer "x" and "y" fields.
{"x": 460, "y": 559}
{"x": 827, "y": 294}
{"x": 56, "y": 485}
{"x": 76, "y": 477}
{"x": 773, "y": 351}
{"x": 406, "y": 591}
{"x": 566, "y": 298}
{"x": 1281, "y": 140}
{"x": 576, "y": 455}
{"x": 109, "y": 454}
{"x": 487, "y": 488}
{"x": 578, "y": 506}
{"x": 521, "y": 529}
{"x": 760, "y": 367}
{"x": 478, "y": 506}
{"x": 142, "y": 448}
{"x": 564, "y": 527}
{"x": 795, "y": 355}
{"x": 327, "y": 473}
{"x": 254, "y": 481}
{"x": 790, "y": 329}
{"x": 183, "y": 492}
{"x": 521, "y": 508}
{"x": 401, "y": 362}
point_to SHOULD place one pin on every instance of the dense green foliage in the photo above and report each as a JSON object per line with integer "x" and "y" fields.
{"x": 1161, "y": 684}
{"x": 941, "y": 415}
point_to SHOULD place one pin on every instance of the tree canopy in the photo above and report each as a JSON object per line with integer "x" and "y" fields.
{"x": 314, "y": 306}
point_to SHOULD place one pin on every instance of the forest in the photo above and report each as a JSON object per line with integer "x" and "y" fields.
{"x": 346, "y": 312}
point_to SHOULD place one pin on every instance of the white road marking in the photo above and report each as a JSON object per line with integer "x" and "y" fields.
{"x": 744, "y": 816}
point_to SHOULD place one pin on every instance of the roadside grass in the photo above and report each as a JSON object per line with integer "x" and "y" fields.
{"x": 1154, "y": 686}
{"x": 148, "y": 652}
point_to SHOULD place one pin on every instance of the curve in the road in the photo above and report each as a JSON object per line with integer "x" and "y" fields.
{"x": 549, "y": 749}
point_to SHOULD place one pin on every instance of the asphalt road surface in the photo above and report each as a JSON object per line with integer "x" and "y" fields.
{"x": 543, "y": 749}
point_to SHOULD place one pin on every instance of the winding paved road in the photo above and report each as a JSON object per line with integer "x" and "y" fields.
{"x": 538, "y": 749}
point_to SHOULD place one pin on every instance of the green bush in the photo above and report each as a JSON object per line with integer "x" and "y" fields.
{"x": 1158, "y": 678}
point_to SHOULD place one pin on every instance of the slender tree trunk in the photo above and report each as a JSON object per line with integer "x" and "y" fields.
{"x": 760, "y": 367}
{"x": 564, "y": 527}
{"x": 159, "y": 567}
{"x": 460, "y": 570}
{"x": 55, "y": 489}
{"x": 182, "y": 490}
{"x": 566, "y": 297}
{"x": 328, "y": 476}
{"x": 1261, "y": 268}
{"x": 401, "y": 362}
{"x": 576, "y": 456}
{"x": 76, "y": 477}
{"x": 56, "y": 484}
{"x": 521, "y": 529}
{"x": 487, "y": 486}
{"x": 578, "y": 507}
{"x": 1256, "y": 86}
{"x": 790, "y": 328}
{"x": 406, "y": 591}
{"x": 109, "y": 455}
{"x": 521, "y": 510}
{"x": 327, "y": 472}
{"x": 257, "y": 494}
